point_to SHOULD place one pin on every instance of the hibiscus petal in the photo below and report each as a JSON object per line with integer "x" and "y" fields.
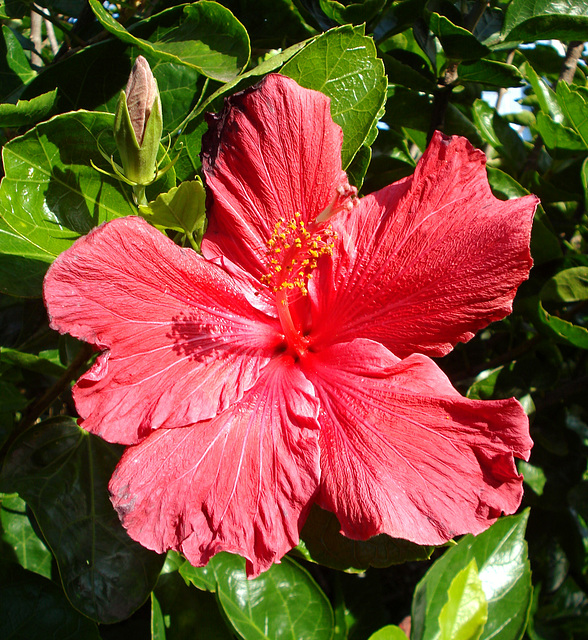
{"x": 241, "y": 482}
{"x": 426, "y": 262}
{"x": 181, "y": 340}
{"x": 403, "y": 453}
{"x": 274, "y": 151}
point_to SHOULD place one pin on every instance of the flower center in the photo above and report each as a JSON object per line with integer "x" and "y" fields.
{"x": 292, "y": 254}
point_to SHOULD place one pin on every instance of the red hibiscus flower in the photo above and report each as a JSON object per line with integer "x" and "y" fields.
{"x": 289, "y": 365}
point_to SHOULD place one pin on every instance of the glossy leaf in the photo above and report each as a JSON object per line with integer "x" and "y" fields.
{"x": 501, "y": 557}
{"x": 34, "y": 608}
{"x": 17, "y": 532}
{"x": 575, "y": 106}
{"x": 464, "y": 614}
{"x": 534, "y": 476}
{"x": 51, "y": 195}
{"x": 458, "y": 43}
{"x": 322, "y": 543}
{"x": 283, "y": 602}
{"x": 208, "y": 38}
{"x": 545, "y": 94}
{"x": 342, "y": 63}
{"x": 529, "y": 20}
{"x": 63, "y": 472}
{"x": 28, "y": 112}
{"x": 557, "y": 136}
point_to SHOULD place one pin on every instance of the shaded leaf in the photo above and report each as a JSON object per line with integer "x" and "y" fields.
{"x": 208, "y": 38}
{"x": 51, "y": 195}
{"x": 35, "y": 608}
{"x": 342, "y": 63}
{"x": 458, "y": 43}
{"x": 569, "y": 285}
{"x": 180, "y": 612}
{"x": 15, "y": 70}
{"x": 491, "y": 73}
{"x": 18, "y": 533}
{"x": 323, "y": 543}
{"x": 63, "y": 472}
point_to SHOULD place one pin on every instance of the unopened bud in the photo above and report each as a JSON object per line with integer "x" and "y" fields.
{"x": 138, "y": 125}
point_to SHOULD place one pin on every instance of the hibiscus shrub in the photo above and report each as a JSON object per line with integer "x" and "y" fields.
{"x": 294, "y": 320}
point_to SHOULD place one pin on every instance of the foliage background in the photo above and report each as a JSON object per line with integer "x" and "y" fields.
{"x": 395, "y": 71}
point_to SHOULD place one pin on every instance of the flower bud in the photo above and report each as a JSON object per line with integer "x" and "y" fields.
{"x": 138, "y": 125}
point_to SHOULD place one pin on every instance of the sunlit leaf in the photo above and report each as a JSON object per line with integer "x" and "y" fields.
{"x": 51, "y": 195}
{"x": 501, "y": 557}
{"x": 208, "y": 38}
{"x": 343, "y": 64}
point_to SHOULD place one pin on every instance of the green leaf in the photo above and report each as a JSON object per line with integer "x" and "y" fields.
{"x": 342, "y": 63}
{"x": 208, "y": 38}
{"x": 18, "y": 533}
{"x": 557, "y": 136}
{"x": 575, "y": 106}
{"x": 180, "y": 209}
{"x": 584, "y": 178}
{"x": 530, "y": 20}
{"x": 15, "y": 69}
{"x": 51, "y": 195}
{"x": 501, "y": 557}
{"x": 566, "y": 331}
{"x": 544, "y": 244}
{"x": 34, "y": 608}
{"x": 496, "y": 131}
{"x": 465, "y": 613}
{"x": 354, "y": 12}
{"x": 484, "y": 385}
{"x": 28, "y": 112}
{"x": 180, "y": 612}
{"x": 545, "y": 94}
{"x": 323, "y": 543}
{"x": 458, "y": 43}
{"x": 569, "y": 285}
{"x": 202, "y": 578}
{"x": 491, "y": 73}
{"x": 39, "y": 364}
{"x": 534, "y": 477}
{"x": 11, "y": 400}
{"x": 283, "y": 602}
{"x": 62, "y": 472}
{"x": 389, "y": 632}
